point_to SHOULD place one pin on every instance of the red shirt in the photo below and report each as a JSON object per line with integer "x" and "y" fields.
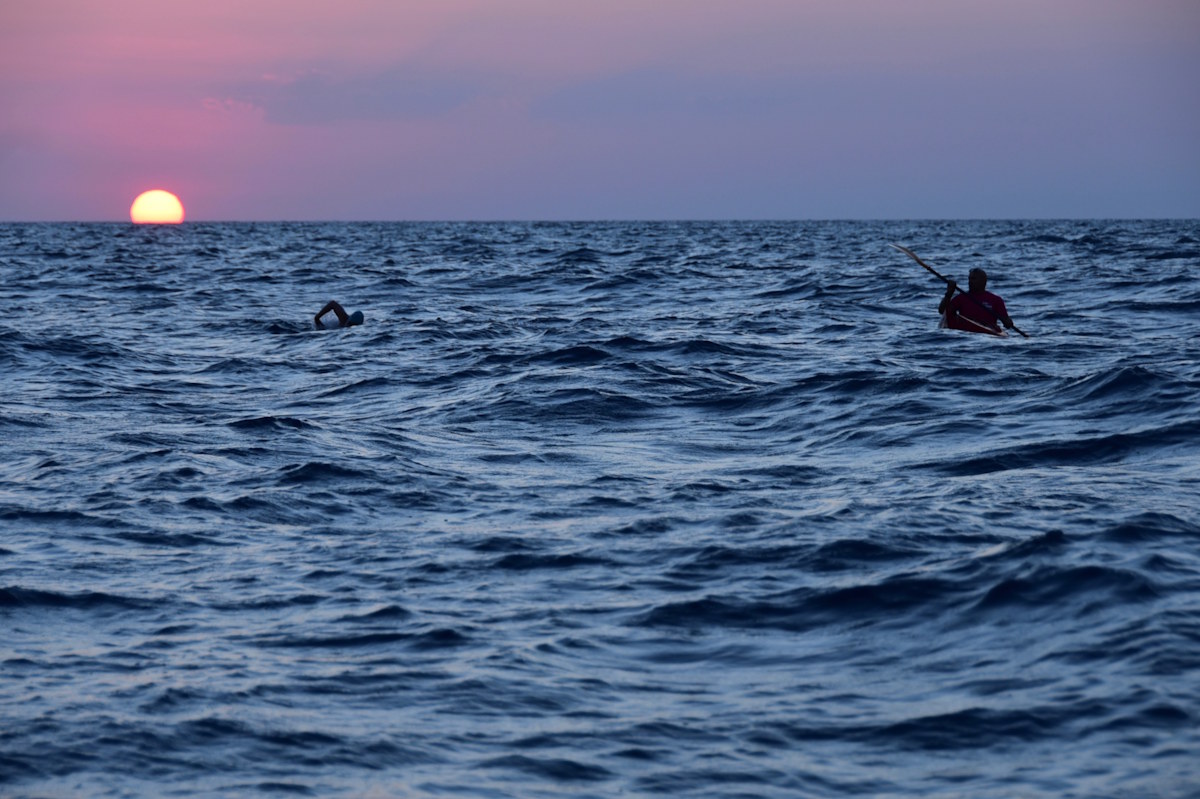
{"x": 983, "y": 307}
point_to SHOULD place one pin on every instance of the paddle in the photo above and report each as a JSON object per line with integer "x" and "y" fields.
{"x": 946, "y": 280}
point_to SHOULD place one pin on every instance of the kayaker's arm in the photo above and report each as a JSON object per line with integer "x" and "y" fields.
{"x": 951, "y": 287}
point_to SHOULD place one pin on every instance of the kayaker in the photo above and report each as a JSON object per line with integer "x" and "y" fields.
{"x": 976, "y": 308}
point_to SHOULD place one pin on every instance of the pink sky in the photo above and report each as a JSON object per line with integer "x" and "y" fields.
{"x": 553, "y": 109}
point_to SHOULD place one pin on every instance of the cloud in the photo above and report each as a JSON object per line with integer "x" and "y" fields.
{"x": 317, "y": 98}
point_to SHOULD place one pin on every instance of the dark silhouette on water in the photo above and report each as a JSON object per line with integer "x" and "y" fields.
{"x": 978, "y": 310}
{"x": 344, "y": 319}
{"x": 976, "y": 278}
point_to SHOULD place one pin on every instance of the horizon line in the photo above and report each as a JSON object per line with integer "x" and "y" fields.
{"x": 601, "y": 220}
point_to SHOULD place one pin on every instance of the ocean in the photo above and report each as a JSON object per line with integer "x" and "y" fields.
{"x": 598, "y": 509}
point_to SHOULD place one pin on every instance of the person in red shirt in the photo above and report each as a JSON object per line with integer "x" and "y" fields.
{"x": 977, "y": 310}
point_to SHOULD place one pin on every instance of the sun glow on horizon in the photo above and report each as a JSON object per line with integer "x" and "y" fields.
{"x": 156, "y": 207}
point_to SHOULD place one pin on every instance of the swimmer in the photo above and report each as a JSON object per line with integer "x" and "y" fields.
{"x": 343, "y": 319}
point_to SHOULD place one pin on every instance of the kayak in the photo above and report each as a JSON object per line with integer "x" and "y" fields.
{"x": 979, "y": 328}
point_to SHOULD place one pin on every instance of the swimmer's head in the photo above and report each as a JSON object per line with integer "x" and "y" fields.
{"x": 356, "y": 318}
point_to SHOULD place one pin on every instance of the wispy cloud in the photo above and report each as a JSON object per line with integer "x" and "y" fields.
{"x": 318, "y": 97}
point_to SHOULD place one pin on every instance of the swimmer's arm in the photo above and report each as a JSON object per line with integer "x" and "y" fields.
{"x": 336, "y": 307}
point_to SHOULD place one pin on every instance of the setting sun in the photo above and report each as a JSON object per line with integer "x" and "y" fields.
{"x": 156, "y": 207}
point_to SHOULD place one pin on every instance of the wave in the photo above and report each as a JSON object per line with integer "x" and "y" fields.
{"x": 1151, "y": 527}
{"x": 269, "y": 423}
{"x": 17, "y": 597}
{"x": 580, "y": 405}
{"x": 432, "y": 640}
{"x": 320, "y": 472}
{"x": 525, "y": 561}
{"x": 554, "y": 769}
{"x": 385, "y": 613}
{"x": 1049, "y": 588}
{"x": 1081, "y": 451}
{"x": 895, "y": 601}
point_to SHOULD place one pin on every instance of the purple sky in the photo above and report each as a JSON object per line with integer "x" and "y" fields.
{"x": 621, "y": 109}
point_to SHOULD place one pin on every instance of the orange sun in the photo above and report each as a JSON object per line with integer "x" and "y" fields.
{"x": 156, "y": 207}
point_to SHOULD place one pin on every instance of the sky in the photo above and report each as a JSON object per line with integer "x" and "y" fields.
{"x": 601, "y": 109}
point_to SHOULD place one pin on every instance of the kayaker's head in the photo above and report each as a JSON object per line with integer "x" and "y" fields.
{"x": 977, "y": 280}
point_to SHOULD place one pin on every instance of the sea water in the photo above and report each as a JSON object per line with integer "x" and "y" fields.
{"x": 675, "y": 509}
